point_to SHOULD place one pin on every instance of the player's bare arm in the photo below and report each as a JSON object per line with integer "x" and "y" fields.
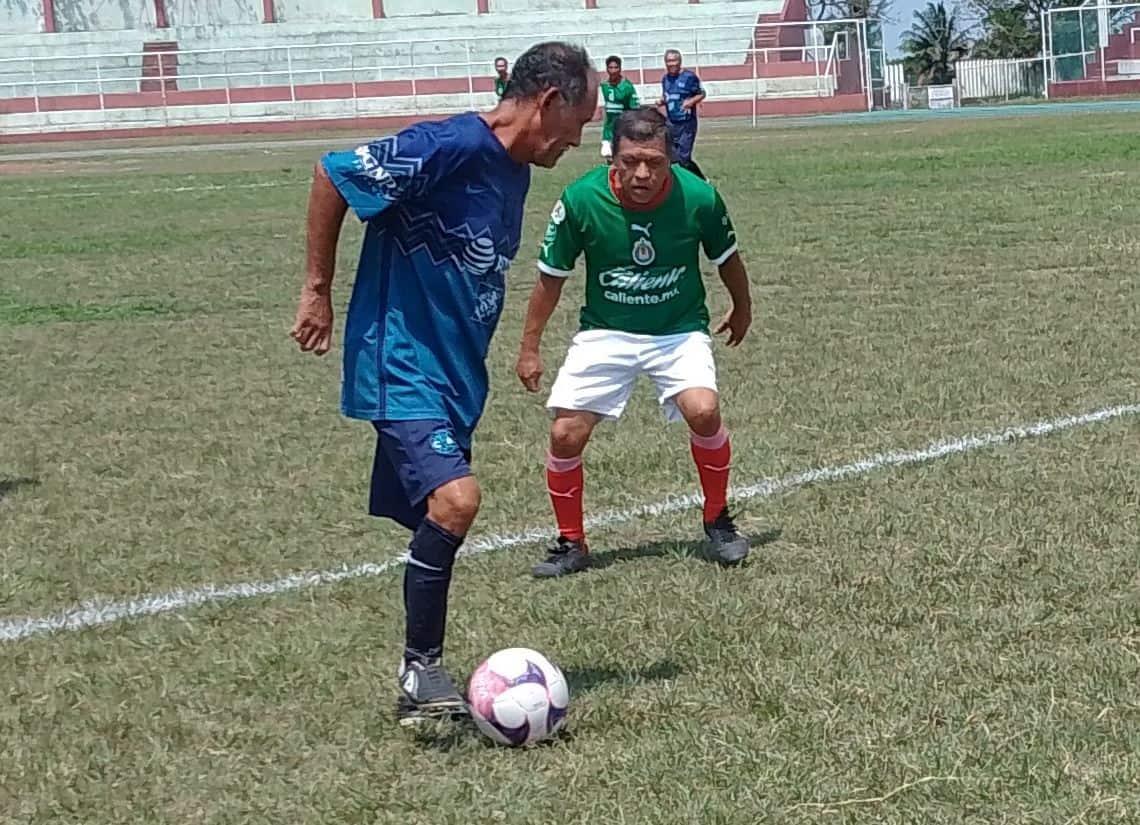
{"x": 694, "y": 101}
{"x": 543, "y": 300}
{"x": 312, "y": 329}
{"x": 739, "y": 318}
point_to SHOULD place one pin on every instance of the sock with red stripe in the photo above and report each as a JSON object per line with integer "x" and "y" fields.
{"x": 713, "y": 456}
{"x": 564, "y": 482}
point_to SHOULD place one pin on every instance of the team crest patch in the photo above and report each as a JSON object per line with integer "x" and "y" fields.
{"x": 643, "y": 252}
{"x": 444, "y": 443}
{"x": 558, "y": 213}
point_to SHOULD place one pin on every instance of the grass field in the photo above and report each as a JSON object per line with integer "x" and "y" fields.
{"x": 956, "y": 641}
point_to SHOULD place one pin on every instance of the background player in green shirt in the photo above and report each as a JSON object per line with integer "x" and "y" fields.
{"x": 620, "y": 96}
{"x": 641, "y": 225}
{"x": 502, "y": 77}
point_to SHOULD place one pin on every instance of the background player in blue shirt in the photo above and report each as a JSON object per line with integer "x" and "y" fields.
{"x": 443, "y": 203}
{"x": 681, "y": 93}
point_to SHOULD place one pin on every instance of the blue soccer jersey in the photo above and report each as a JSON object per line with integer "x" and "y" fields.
{"x": 676, "y": 90}
{"x": 444, "y": 205}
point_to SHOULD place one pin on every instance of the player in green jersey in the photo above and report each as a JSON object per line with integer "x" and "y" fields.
{"x": 620, "y": 96}
{"x": 641, "y": 224}
{"x": 502, "y": 77}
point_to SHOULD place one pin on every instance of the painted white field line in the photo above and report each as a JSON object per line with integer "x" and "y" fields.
{"x": 30, "y": 195}
{"x": 100, "y": 612}
{"x": 284, "y": 143}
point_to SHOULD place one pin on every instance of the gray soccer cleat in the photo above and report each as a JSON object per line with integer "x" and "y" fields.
{"x": 726, "y": 545}
{"x": 428, "y": 693}
{"x": 567, "y": 556}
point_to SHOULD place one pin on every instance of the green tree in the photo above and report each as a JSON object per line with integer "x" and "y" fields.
{"x": 1010, "y": 29}
{"x": 933, "y": 44}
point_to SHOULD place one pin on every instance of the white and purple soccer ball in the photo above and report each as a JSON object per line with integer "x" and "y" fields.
{"x": 518, "y": 697}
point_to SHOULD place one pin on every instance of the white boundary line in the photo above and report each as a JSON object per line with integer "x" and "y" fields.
{"x": 285, "y": 143}
{"x": 52, "y": 152}
{"x": 96, "y": 612}
{"x": 30, "y": 194}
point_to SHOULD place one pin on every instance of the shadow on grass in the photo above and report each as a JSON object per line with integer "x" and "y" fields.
{"x": 460, "y": 734}
{"x": 453, "y": 734}
{"x": 9, "y": 485}
{"x": 693, "y": 549}
{"x": 585, "y": 679}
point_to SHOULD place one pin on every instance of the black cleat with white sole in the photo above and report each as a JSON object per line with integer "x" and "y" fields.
{"x": 428, "y": 693}
{"x": 567, "y": 556}
{"x": 725, "y": 544}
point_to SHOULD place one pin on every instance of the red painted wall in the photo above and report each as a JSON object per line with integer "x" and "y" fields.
{"x": 1093, "y": 88}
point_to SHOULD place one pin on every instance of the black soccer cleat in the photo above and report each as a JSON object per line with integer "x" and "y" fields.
{"x": 428, "y": 693}
{"x": 725, "y": 545}
{"x": 567, "y": 556}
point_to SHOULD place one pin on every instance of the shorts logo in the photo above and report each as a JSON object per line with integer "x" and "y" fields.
{"x": 643, "y": 252}
{"x": 444, "y": 443}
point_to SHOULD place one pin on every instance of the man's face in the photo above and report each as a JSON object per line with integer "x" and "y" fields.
{"x": 673, "y": 63}
{"x": 501, "y": 68}
{"x": 614, "y": 72}
{"x": 560, "y": 125}
{"x": 642, "y": 168}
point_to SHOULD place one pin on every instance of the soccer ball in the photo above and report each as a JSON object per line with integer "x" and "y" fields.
{"x": 518, "y": 697}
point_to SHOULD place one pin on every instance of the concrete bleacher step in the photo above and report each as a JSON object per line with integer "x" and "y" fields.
{"x": 346, "y": 56}
{"x": 397, "y": 49}
{"x": 159, "y": 66}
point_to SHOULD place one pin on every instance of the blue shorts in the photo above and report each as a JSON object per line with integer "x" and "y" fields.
{"x": 684, "y": 134}
{"x": 413, "y": 459}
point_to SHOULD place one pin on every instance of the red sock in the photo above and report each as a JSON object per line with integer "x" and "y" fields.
{"x": 713, "y": 455}
{"x": 564, "y": 481}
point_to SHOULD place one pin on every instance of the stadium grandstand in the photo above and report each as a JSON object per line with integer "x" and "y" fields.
{"x": 73, "y": 67}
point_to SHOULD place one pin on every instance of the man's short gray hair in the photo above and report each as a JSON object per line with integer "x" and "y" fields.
{"x": 551, "y": 65}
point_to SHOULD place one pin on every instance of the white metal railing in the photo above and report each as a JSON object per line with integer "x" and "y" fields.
{"x": 392, "y": 57}
{"x": 295, "y": 68}
{"x": 294, "y": 75}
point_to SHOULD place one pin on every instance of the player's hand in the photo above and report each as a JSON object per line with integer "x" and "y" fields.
{"x": 313, "y": 328}
{"x": 529, "y": 369}
{"x": 736, "y": 323}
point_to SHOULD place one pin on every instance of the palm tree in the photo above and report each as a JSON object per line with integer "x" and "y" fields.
{"x": 935, "y": 42}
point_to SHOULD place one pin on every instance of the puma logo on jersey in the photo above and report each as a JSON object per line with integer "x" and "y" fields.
{"x": 636, "y": 227}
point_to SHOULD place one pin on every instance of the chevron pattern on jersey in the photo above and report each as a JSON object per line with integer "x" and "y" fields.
{"x": 393, "y": 175}
{"x": 421, "y": 230}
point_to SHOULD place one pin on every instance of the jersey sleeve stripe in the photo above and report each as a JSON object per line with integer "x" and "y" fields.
{"x": 724, "y": 256}
{"x": 547, "y": 269}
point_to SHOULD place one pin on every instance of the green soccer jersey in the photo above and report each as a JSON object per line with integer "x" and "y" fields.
{"x": 618, "y": 98}
{"x": 500, "y": 86}
{"x": 643, "y": 270}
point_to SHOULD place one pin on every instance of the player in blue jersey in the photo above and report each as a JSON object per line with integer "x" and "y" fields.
{"x": 681, "y": 93}
{"x": 443, "y": 204}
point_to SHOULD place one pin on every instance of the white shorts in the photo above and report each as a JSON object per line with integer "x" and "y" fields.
{"x": 607, "y": 149}
{"x": 603, "y": 365}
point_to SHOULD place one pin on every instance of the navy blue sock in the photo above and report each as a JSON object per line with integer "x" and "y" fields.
{"x": 427, "y": 578}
